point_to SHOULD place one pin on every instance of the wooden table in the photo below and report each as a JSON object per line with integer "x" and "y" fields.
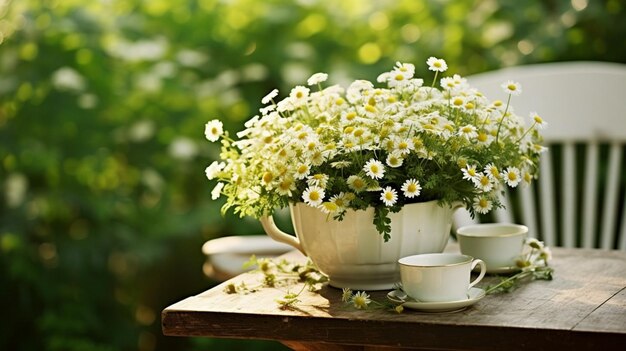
{"x": 584, "y": 307}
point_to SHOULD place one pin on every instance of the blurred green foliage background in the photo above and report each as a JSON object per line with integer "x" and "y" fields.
{"x": 104, "y": 204}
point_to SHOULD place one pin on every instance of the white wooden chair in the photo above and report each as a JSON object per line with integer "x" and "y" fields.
{"x": 579, "y": 199}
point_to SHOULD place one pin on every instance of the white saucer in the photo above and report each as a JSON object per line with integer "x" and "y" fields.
{"x": 473, "y": 296}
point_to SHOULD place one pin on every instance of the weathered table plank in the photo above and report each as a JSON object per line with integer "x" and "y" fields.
{"x": 584, "y": 307}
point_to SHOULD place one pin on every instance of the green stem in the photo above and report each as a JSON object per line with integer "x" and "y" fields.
{"x": 510, "y": 279}
{"x": 434, "y": 79}
{"x": 508, "y": 101}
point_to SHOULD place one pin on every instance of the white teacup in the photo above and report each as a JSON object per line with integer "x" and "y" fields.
{"x": 498, "y": 244}
{"x": 439, "y": 277}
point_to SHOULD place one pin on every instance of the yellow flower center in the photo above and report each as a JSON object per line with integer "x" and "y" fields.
{"x": 302, "y": 169}
{"x": 411, "y": 188}
{"x": 285, "y": 184}
{"x": 350, "y": 116}
{"x": 389, "y": 196}
{"x": 484, "y": 180}
{"x": 267, "y": 177}
{"x": 314, "y": 196}
{"x": 374, "y": 169}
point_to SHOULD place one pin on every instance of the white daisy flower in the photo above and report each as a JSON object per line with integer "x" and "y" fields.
{"x": 398, "y": 78}
{"x": 468, "y": 132}
{"x": 483, "y": 182}
{"x": 545, "y": 254}
{"x": 407, "y": 68}
{"x": 539, "y": 122}
{"x": 394, "y": 159}
{"x": 213, "y": 130}
{"x": 286, "y": 186}
{"x": 346, "y": 294}
{"x": 492, "y": 171}
{"x": 213, "y": 169}
{"x": 389, "y": 196}
{"x": 268, "y": 98}
{"x": 302, "y": 171}
{"x": 404, "y": 146}
{"x": 512, "y": 176}
{"x": 447, "y": 83}
{"x": 356, "y": 183}
{"x": 527, "y": 178}
{"x": 217, "y": 191}
{"x": 361, "y": 300}
{"x": 318, "y": 179}
{"x": 469, "y": 172}
{"x": 317, "y": 78}
{"x": 411, "y": 188}
{"x": 299, "y": 93}
{"x": 435, "y": 64}
{"x": 341, "y": 200}
{"x": 511, "y": 87}
{"x": 535, "y": 244}
{"x": 313, "y": 196}
{"x": 374, "y": 169}
{"x": 482, "y": 204}
{"x": 484, "y": 138}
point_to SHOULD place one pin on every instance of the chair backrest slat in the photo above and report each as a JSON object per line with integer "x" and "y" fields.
{"x": 546, "y": 197}
{"x": 622, "y": 233}
{"x": 589, "y": 200}
{"x": 529, "y": 218}
{"x": 609, "y": 210}
{"x": 568, "y": 192}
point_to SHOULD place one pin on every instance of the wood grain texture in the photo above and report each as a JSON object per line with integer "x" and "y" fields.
{"x": 584, "y": 307}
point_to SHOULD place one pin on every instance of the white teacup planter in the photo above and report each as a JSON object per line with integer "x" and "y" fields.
{"x": 352, "y": 253}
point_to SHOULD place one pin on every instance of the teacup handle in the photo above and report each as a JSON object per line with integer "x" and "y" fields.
{"x": 272, "y": 230}
{"x": 483, "y": 269}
